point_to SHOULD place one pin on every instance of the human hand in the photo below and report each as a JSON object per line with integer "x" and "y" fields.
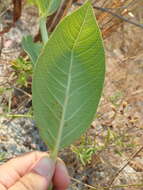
{"x": 33, "y": 171}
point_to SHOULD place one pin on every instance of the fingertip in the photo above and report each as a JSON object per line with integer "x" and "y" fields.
{"x": 61, "y": 179}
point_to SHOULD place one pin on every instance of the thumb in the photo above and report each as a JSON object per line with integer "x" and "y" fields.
{"x": 39, "y": 178}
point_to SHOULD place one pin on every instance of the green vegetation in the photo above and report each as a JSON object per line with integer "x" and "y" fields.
{"x": 23, "y": 71}
{"x": 68, "y": 79}
{"x": 86, "y": 150}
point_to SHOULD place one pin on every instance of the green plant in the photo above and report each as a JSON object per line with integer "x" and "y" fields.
{"x": 46, "y": 7}
{"x": 2, "y": 156}
{"x": 2, "y": 89}
{"x": 23, "y": 71}
{"x": 86, "y": 150}
{"x": 84, "y": 153}
{"x": 31, "y": 48}
{"x": 68, "y": 76}
{"x": 114, "y": 99}
{"x": 119, "y": 141}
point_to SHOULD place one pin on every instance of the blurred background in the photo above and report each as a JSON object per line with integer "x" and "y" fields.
{"x": 110, "y": 155}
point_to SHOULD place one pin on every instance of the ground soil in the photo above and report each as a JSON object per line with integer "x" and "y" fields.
{"x": 118, "y": 125}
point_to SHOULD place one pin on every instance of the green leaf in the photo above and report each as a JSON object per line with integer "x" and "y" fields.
{"x": 68, "y": 79}
{"x": 31, "y": 48}
{"x": 33, "y": 2}
{"x": 53, "y": 6}
{"x": 46, "y": 7}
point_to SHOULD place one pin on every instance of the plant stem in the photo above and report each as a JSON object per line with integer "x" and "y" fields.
{"x": 50, "y": 187}
{"x": 16, "y": 115}
{"x": 43, "y": 29}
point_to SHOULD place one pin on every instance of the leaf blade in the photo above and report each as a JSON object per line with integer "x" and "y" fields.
{"x": 31, "y": 48}
{"x": 53, "y": 6}
{"x": 46, "y": 7}
{"x": 69, "y": 76}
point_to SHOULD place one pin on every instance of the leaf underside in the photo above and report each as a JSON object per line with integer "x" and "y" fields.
{"x": 46, "y": 7}
{"x": 68, "y": 79}
{"x": 31, "y": 48}
{"x": 53, "y": 6}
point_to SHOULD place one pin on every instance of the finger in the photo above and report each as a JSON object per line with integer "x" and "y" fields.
{"x": 61, "y": 179}
{"x": 14, "y": 169}
{"x": 39, "y": 178}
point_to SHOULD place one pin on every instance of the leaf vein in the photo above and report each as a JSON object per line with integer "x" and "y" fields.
{"x": 67, "y": 92}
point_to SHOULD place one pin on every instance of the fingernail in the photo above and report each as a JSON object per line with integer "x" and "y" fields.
{"x": 45, "y": 167}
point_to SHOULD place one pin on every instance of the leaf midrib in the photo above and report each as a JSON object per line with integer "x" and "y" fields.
{"x": 55, "y": 152}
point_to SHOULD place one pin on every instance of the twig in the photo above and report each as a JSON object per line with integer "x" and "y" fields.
{"x": 16, "y": 115}
{"x": 1, "y": 14}
{"x": 119, "y": 16}
{"x": 60, "y": 13}
{"x": 9, "y": 102}
{"x": 86, "y": 185}
{"x": 128, "y": 185}
{"x": 103, "y": 3}
{"x": 137, "y": 92}
{"x": 124, "y": 6}
{"x": 104, "y": 187}
{"x": 17, "y": 109}
{"x": 1, "y": 45}
{"x": 17, "y": 9}
{"x": 116, "y": 15}
{"x": 20, "y": 90}
{"x": 122, "y": 168}
{"x": 68, "y": 5}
